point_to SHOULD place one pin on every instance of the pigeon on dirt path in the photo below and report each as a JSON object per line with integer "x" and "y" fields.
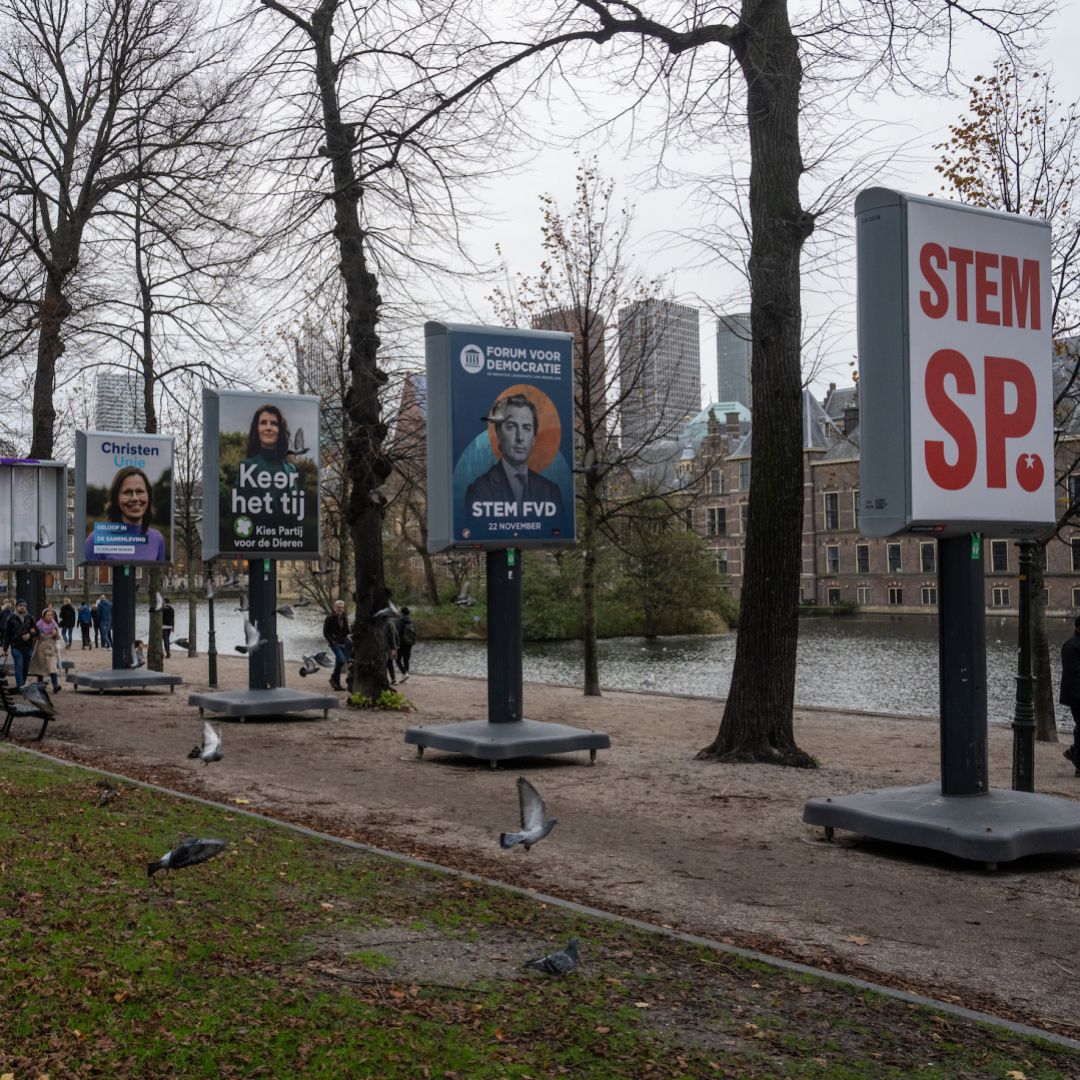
{"x": 182, "y": 643}
{"x": 190, "y": 852}
{"x": 535, "y": 824}
{"x": 560, "y": 962}
{"x": 211, "y": 745}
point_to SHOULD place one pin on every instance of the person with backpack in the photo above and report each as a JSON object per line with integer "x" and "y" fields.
{"x": 85, "y": 621}
{"x": 406, "y": 632}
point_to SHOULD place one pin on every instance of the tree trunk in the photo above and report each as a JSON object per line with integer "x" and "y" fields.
{"x": 757, "y": 724}
{"x": 430, "y": 581}
{"x": 590, "y": 508}
{"x": 1045, "y": 715}
{"x": 367, "y": 464}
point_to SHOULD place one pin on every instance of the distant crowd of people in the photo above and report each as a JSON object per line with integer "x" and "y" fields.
{"x": 399, "y": 632}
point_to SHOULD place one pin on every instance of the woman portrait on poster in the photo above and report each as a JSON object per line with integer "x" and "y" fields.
{"x": 268, "y": 443}
{"x": 130, "y": 505}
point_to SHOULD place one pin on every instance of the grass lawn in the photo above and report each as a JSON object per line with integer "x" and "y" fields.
{"x": 287, "y": 956}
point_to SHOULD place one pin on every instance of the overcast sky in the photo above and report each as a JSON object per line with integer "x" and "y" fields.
{"x": 513, "y": 218}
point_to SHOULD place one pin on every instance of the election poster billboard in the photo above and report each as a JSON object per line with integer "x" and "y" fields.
{"x": 123, "y": 497}
{"x": 500, "y": 437}
{"x": 33, "y": 513}
{"x": 260, "y": 475}
{"x": 956, "y": 388}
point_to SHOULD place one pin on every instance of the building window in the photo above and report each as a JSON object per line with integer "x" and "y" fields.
{"x": 999, "y": 556}
{"x": 71, "y": 544}
{"x": 832, "y": 597}
{"x": 721, "y": 561}
{"x": 1075, "y": 543}
{"x": 70, "y": 572}
{"x": 855, "y": 507}
{"x": 1076, "y": 598}
{"x": 744, "y": 512}
{"x": 744, "y": 475}
{"x": 832, "y": 510}
{"x": 688, "y": 519}
{"x": 716, "y": 482}
{"x": 832, "y": 559}
{"x": 862, "y": 558}
{"x": 895, "y": 562}
{"x": 862, "y": 594}
{"x": 999, "y": 596}
{"x": 928, "y": 558}
{"x": 1073, "y": 480}
{"x": 716, "y": 521}
{"x": 929, "y": 595}
{"x": 896, "y": 595}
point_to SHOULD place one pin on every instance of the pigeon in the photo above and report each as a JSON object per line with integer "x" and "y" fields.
{"x": 231, "y": 581}
{"x": 321, "y": 570}
{"x": 182, "y": 643}
{"x": 209, "y": 589}
{"x": 310, "y": 667}
{"x": 211, "y": 745}
{"x": 157, "y": 603}
{"x": 43, "y": 540}
{"x": 36, "y": 694}
{"x": 190, "y": 852}
{"x": 134, "y": 659}
{"x": 324, "y": 659}
{"x": 108, "y": 792}
{"x": 252, "y": 638}
{"x": 463, "y": 599}
{"x": 296, "y": 442}
{"x": 535, "y": 825}
{"x": 243, "y": 601}
{"x": 285, "y": 611}
{"x": 648, "y": 682}
{"x": 304, "y": 601}
{"x": 560, "y": 962}
{"x": 390, "y": 611}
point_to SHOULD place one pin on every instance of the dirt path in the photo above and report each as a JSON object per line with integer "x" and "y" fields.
{"x": 716, "y": 849}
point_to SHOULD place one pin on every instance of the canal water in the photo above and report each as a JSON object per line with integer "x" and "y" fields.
{"x": 871, "y": 663}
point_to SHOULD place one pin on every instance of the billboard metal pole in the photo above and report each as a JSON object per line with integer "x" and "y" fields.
{"x": 123, "y": 616}
{"x": 211, "y": 635}
{"x": 1023, "y": 725}
{"x": 262, "y": 599}
{"x": 504, "y": 635}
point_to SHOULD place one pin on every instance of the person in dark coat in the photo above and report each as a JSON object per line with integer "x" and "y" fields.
{"x": 21, "y": 635}
{"x": 168, "y": 624}
{"x": 67, "y": 620}
{"x": 1070, "y": 690}
{"x": 86, "y": 620}
{"x": 336, "y": 631}
{"x": 406, "y": 634}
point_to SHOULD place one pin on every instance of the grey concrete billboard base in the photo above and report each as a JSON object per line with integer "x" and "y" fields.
{"x": 275, "y": 701}
{"x": 123, "y": 679}
{"x": 492, "y": 742}
{"x": 999, "y": 826}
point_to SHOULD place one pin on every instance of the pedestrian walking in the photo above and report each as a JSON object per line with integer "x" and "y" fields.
{"x": 168, "y": 624}
{"x": 390, "y": 630}
{"x": 21, "y": 634}
{"x": 336, "y": 632}
{"x": 1070, "y": 690}
{"x": 406, "y": 633}
{"x": 105, "y": 608}
{"x": 85, "y": 621}
{"x": 46, "y": 658}
{"x": 67, "y": 620}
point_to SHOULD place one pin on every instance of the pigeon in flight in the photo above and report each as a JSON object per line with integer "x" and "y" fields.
{"x": 323, "y": 658}
{"x": 182, "y": 643}
{"x": 36, "y": 694}
{"x": 231, "y": 580}
{"x": 323, "y": 570}
{"x": 304, "y": 601}
{"x": 311, "y": 667}
{"x": 209, "y": 589}
{"x": 390, "y": 611}
{"x": 158, "y": 602}
{"x": 296, "y": 442}
{"x": 560, "y": 962}
{"x": 189, "y": 853}
{"x": 285, "y": 611}
{"x": 463, "y": 599}
{"x": 252, "y": 639}
{"x": 211, "y": 745}
{"x": 535, "y": 824}
{"x": 243, "y": 601}
{"x": 43, "y": 540}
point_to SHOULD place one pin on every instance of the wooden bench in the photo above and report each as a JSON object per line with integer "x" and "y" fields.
{"x": 13, "y": 705}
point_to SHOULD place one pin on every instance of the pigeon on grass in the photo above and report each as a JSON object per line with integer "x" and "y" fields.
{"x": 535, "y": 824}
{"x": 190, "y": 852}
{"x": 560, "y": 962}
{"x": 108, "y": 792}
{"x": 36, "y": 694}
{"x": 211, "y": 745}
{"x": 252, "y": 639}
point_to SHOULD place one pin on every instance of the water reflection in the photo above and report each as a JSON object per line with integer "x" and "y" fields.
{"x": 874, "y": 663}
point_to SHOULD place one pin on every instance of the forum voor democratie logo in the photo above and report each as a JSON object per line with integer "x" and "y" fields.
{"x": 472, "y": 359}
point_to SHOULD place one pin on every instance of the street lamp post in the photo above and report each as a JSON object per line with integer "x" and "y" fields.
{"x": 1023, "y": 725}
{"x": 211, "y": 645}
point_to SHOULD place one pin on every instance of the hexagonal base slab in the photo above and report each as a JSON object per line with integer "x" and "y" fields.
{"x": 273, "y": 702}
{"x": 499, "y": 742}
{"x": 996, "y": 827}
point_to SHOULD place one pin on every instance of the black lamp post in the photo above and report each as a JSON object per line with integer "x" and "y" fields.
{"x": 1023, "y": 725}
{"x": 211, "y": 640}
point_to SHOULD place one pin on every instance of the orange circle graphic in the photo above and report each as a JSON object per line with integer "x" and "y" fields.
{"x": 549, "y": 430}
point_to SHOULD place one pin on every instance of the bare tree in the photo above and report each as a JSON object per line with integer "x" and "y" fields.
{"x": 583, "y": 287}
{"x": 1017, "y": 149}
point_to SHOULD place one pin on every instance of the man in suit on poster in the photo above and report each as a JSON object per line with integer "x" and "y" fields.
{"x": 510, "y": 488}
